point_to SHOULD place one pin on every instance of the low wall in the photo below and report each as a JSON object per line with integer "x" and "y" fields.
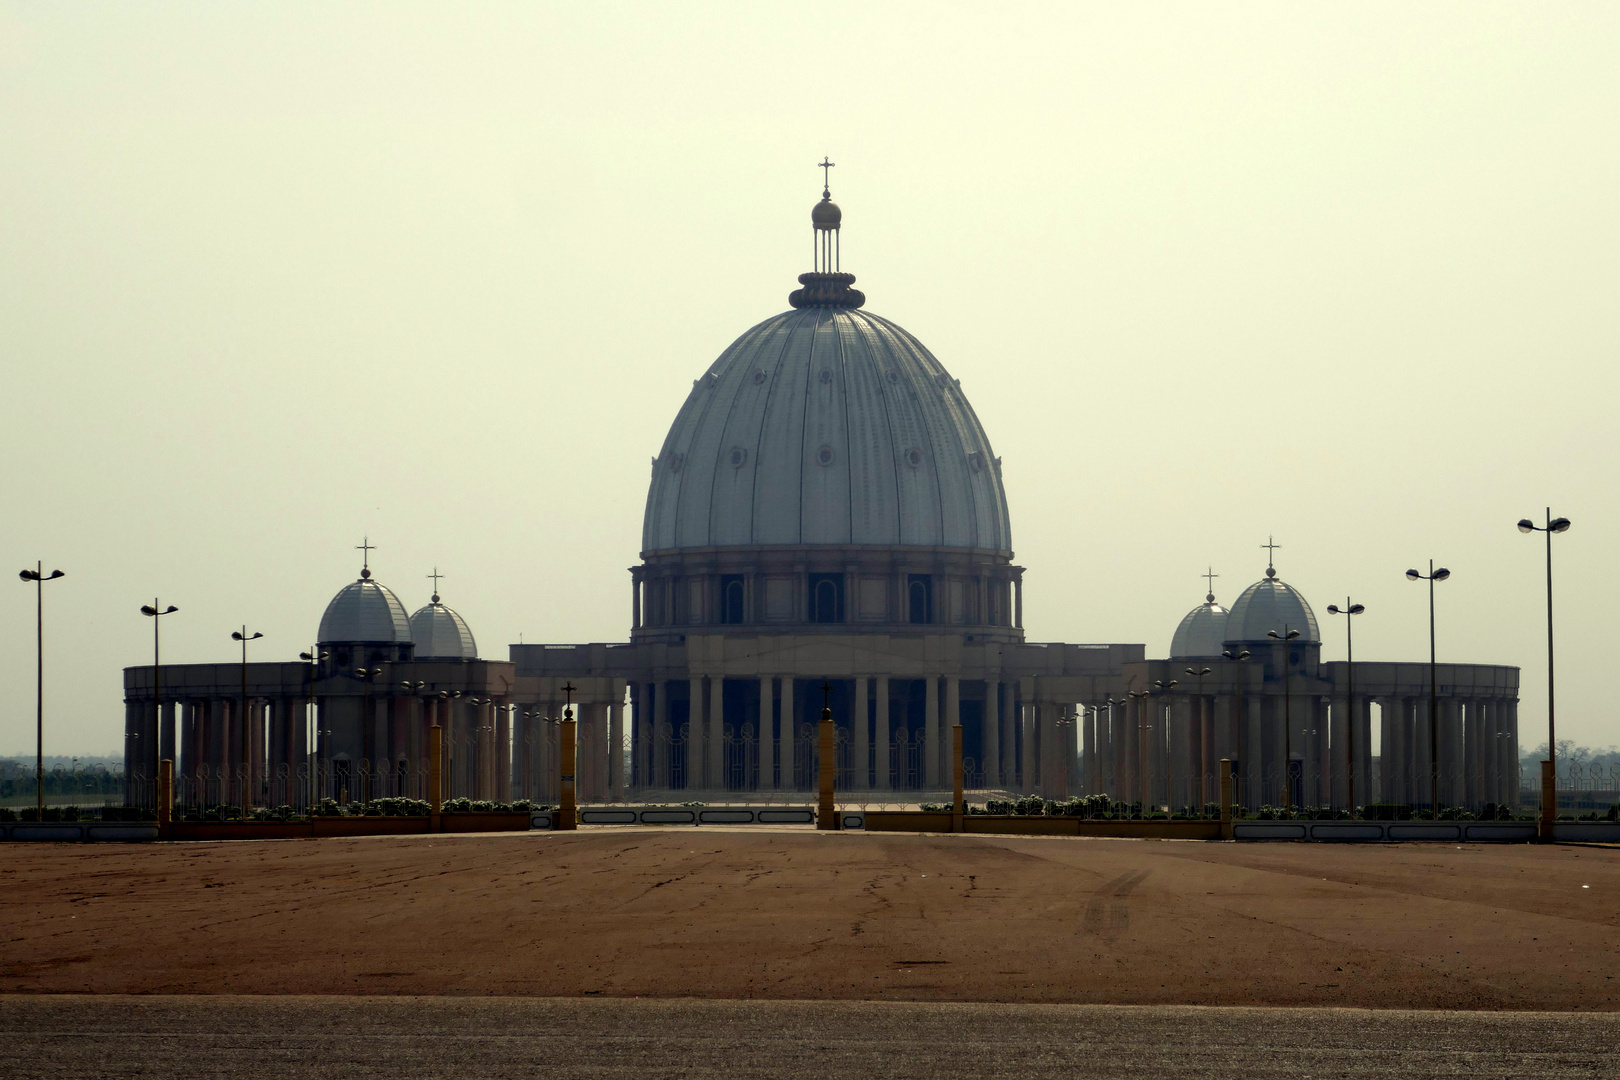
{"x": 134, "y": 831}
{"x": 687, "y": 815}
{"x": 1017, "y": 825}
{"x": 79, "y": 831}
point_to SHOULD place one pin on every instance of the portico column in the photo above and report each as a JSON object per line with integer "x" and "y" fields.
{"x": 860, "y": 744}
{"x": 1048, "y": 749}
{"x": 882, "y": 739}
{"x": 931, "y": 739}
{"x": 696, "y": 736}
{"x": 789, "y": 781}
{"x": 659, "y": 749}
{"x": 953, "y": 719}
{"x": 992, "y": 733}
{"x": 186, "y": 759}
{"x": 716, "y": 726}
{"x": 1177, "y": 780}
{"x": 764, "y": 760}
{"x": 1010, "y": 735}
{"x": 1253, "y": 753}
{"x": 1029, "y": 715}
{"x": 615, "y": 747}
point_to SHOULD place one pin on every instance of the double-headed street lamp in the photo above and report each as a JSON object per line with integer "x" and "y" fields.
{"x": 155, "y": 613}
{"x": 1288, "y": 714}
{"x": 1554, "y": 525}
{"x": 1349, "y": 611}
{"x": 1434, "y": 690}
{"x": 39, "y": 577}
{"x": 244, "y": 637}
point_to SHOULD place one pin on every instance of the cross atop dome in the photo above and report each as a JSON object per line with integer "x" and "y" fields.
{"x": 435, "y": 576}
{"x": 1210, "y": 575}
{"x": 365, "y": 547}
{"x": 1271, "y": 552}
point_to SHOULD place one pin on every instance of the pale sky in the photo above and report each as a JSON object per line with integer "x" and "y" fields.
{"x": 279, "y": 276}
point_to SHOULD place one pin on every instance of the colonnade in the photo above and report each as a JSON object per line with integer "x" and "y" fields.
{"x": 1167, "y": 749}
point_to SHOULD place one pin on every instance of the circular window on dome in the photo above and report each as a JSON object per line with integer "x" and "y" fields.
{"x": 738, "y": 457}
{"x": 676, "y": 461}
{"x": 976, "y": 460}
{"x": 914, "y": 458}
{"x": 759, "y": 376}
{"x": 824, "y": 456}
{"x": 894, "y": 376}
{"x": 826, "y": 375}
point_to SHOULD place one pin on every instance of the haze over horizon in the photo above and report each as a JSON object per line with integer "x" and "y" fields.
{"x": 282, "y": 277}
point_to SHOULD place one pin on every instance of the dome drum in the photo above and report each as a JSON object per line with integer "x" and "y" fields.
{"x": 814, "y": 589}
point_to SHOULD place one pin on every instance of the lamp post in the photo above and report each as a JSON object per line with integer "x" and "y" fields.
{"x": 1238, "y": 656}
{"x": 480, "y": 759}
{"x": 413, "y": 689}
{"x": 1288, "y": 713}
{"x": 39, "y": 577}
{"x": 1434, "y": 691}
{"x": 156, "y": 614}
{"x": 1199, "y": 673}
{"x": 244, "y": 637}
{"x": 1349, "y": 611}
{"x": 1554, "y": 525}
{"x": 1161, "y": 687}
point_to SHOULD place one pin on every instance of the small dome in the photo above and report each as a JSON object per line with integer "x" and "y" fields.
{"x": 364, "y": 611}
{"x": 1271, "y": 604}
{"x": 826, "y": 215}
{"x": 441, "y": 634}
{"x": 1201, "y": 632}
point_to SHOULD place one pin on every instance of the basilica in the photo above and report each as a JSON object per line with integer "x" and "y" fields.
{"x": 826, "y": 521}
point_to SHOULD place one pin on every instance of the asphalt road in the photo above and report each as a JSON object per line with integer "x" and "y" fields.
{"x": 289, "y": 1038}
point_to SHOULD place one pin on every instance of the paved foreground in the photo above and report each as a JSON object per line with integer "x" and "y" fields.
{"x": 399, "y": 1038}
{"x": 683, "y": 912}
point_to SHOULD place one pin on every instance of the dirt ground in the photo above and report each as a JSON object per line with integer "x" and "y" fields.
{"x": 794, "y": 914}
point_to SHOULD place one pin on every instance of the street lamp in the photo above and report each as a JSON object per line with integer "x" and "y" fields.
{"x": 39, "y": 577}
{"x": 368, "y": 724}
{"x": 1554, "y": 525}
{"x": 1434, "y": 691}
{"x": 244, "y": 637}
{"x": 312, "y": 720}
{"x": 1288, "y": 714}
{"x": 1349, "y": 611}
{"x": 153, "y": 612}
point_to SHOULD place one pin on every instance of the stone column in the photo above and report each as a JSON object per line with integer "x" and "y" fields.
{"x": 860, "y": 738}
{"x": 659, "y": 749}
{"x": 1178, "y": 775}
{"x": 764, "y": 759}
{"x": 716, "y": 726}
{"x": 785, "y": 746}
{"x": 931, "y": 743}
{"x": 1361, "y": 714}
{"x": 991, "y": 752}
{"x": 615, "y": 747}
{"x": 1254, "y": 753}
{"x": 503, "y": 751}
{"x": 1050, "y": 754}
{"x": 882, "y": 738}
{"x": 696, "y": 736}
{"x": 952, "y": 719}
{"x": 1009, "y": 737}
{"x": 1089, "y": 768}
{"x": 186, "y": 759}
{"x": 1028, "y": 716}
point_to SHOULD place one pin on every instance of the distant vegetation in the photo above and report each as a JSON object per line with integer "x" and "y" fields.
{"x": 65, "y": 779}
{"x": 1569, "y": 755}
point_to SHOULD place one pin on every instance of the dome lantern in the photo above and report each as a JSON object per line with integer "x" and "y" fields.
{"x": 826, "y": 285}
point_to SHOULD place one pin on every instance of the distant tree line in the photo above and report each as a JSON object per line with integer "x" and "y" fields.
{"x": 1570, "y": 755}
{"x": 95, "y": 778}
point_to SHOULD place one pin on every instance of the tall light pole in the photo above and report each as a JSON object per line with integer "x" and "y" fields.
{"x": 1434, "y": 690}
{"x": 247, "y": 752}
{"x": 1554, "y": 525}
{"x": 1237, "y": 656}
{"x": 156, "y": 614}
{"x": 1288, "y": 713}
{"x": 1349, "y": 611}
{"x": 39, "y": 577}
{"x": 312, "y": 719}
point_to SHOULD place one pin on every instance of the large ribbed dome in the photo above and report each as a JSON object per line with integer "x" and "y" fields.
{"x": 441, "y": 634}
{"x": 826, "y": 425}
{"x": 1201, "y": 633}
{"x": 364, "y": 611}
{"x": 1270, "y": 604}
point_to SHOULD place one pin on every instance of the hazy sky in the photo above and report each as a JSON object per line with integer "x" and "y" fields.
{"x": 277, "y": 276}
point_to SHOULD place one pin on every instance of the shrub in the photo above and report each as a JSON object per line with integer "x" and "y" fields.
{"x": 7, "y": 814}
{"x": 327, "y": 808}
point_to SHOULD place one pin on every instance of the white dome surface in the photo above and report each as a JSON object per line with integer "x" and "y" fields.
{"x": 826, "y": 425}
{"x": 441, "y": 634}
{"x": 1270, "y": 604}
{"x": 1201, "y": 633}
{"x": 364, "y": 611}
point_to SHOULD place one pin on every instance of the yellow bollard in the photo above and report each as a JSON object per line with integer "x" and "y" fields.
{"x": 958, "y": 805}
{"x": 1549, "y": 799}
{"x": 435, "y": 778}
{"x": 165, "y": 796}
{"x": 1226, "y": 798}
{"x": 568, "y": 809}
{"x": 826, "y": 813}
